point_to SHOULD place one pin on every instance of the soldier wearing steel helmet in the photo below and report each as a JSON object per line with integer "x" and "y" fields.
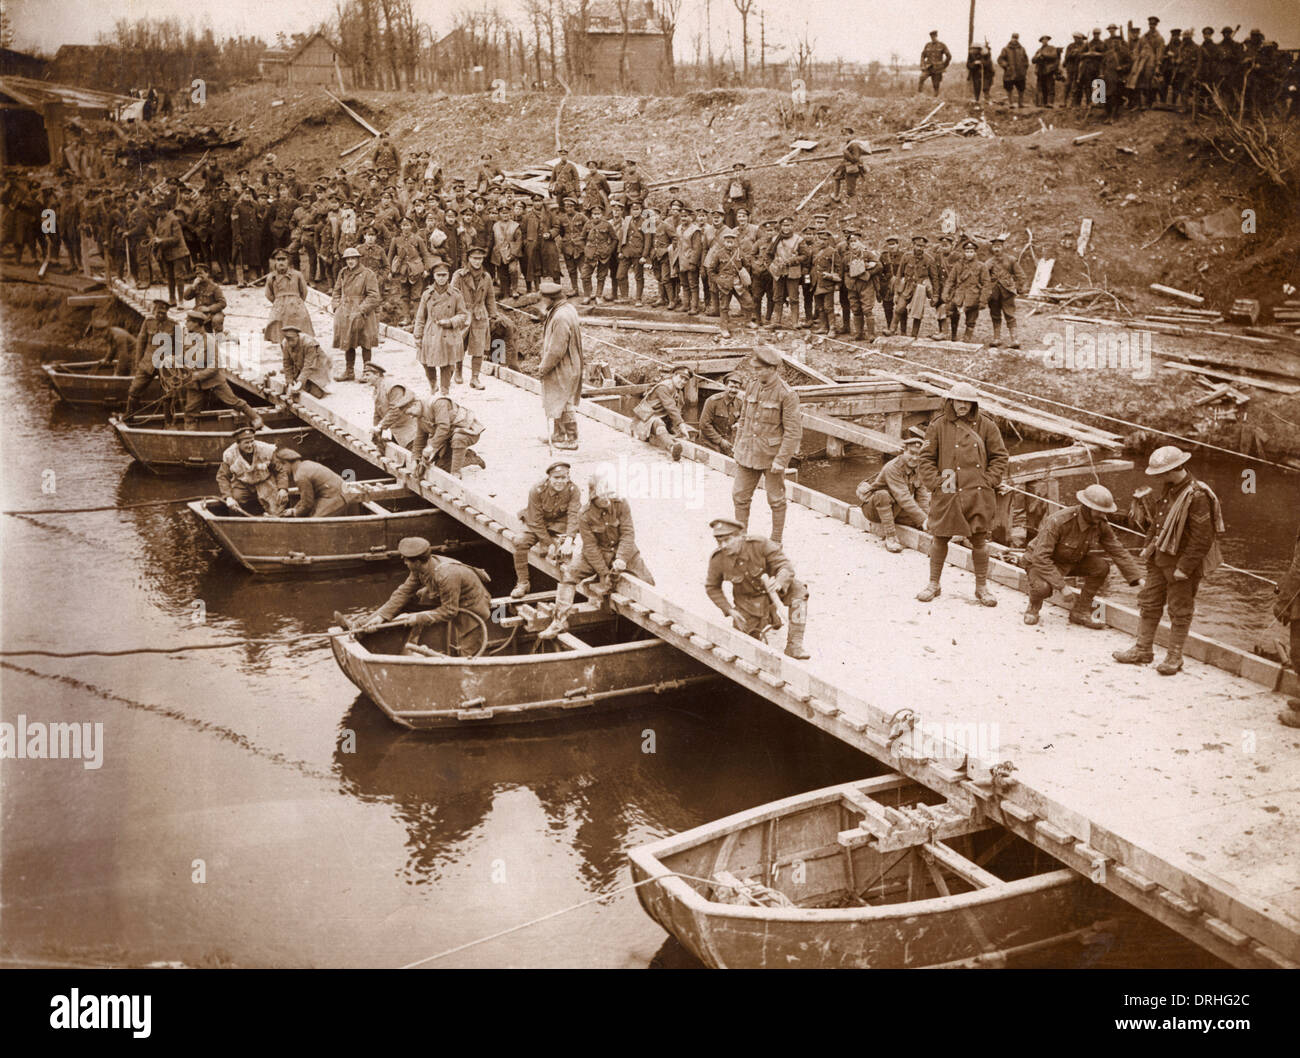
{"x": 1181, "y": 547}
{"x": 1066, "y": 546}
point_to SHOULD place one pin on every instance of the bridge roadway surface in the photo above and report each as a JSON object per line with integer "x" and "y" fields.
{"x": 1179, "y": 794}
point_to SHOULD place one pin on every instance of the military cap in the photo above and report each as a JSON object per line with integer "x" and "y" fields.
{"x": 1112, "y": 26}
{"x": 351, "y": 251}
{"x": 373, "y": 366}
{"x": 1152, "y": 19}
{"x": 971, "y": 243}
{"x": 733, "y": 376}
{"x": 725, "y": 527}
{"x": 737, "y": 165}
{"x": 920, "y": 238}
{"x": 557, "y": 464}
{"x": 766, "y": 354}
{"x": 945, "y": 237}
{"x": 197, "y": 314}
{"x": 913, "y": 442}
{"x": 561, "y": 150}
{"x": 1208, "y": 30}
{"x": 825, "y": 231}
{"x": 199, "y": 266}
{"x": 790, "y": 219}
{"x": 728, "y": 233}
{"x": 963, "y": 391}
{"x": 769, "y": 223}
{"x": 821, "y": 218}
{"x": 1044, "y": 38}
{"x": 1167, "y": 458}
{"x": 480, "y": 250}
{"x": 413, "y": 547}
{"x": 244, "y": 431}
{"x": 290, "y": 327}
{"x": 163, "y": 302}
{"x": 280, "y": 253}
{"x": 549, "y": 288}
{"x": 287, "y": 455}
{"x": 1080, "y": 36}
{"x": 1228, "y": 31}
{"x": 891, "y": 238}
{"x": 997, "y": 239}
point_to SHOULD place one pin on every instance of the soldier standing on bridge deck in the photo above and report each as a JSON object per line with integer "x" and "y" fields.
{"x": 1287, "y": 611}
{"x": 608, "y": 548}
{"x": 897, "y": 493}
{"x": 561, "y": 366}
{"x": 935, "y": 58}
{"x": 766, "y": 439}
{"x": 757, "y": 568}
{"x": 1066, "y": 546}
{"x": 962, "y": 463}
{"x": 1182, "y": 546}
{"x": 550, "y": 519}
{"x": 457, "y": 589}
{"x": 354, "y": 303}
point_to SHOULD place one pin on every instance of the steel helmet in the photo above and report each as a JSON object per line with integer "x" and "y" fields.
{"x": 1097, "y": 497}
{"x": 963, "y": 391}
{"x": 1167, "y": 458}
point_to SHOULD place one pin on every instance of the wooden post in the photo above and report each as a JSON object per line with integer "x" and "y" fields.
{"x": 834, "y": 448}
{"x": 894, "y": 424}
{"x": 970, "y": 27}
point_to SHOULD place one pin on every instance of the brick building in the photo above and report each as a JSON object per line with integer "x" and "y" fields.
{"x": 646, "y": 71}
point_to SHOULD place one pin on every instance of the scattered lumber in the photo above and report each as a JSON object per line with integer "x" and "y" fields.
{"x": 1085, "y": 234}
{"x": 1085, "y": 137}
{"x": 1042, "y": 276}
{"x": 1288, "y": 388}
{"x": 929, "y": 130}
{"x": 1244, "y": 310}
{"x": 1174, "y": 292}
{"x": 357, "y": 146}
{"x": 808, "y": 197}
{"x": 614, "y": 323}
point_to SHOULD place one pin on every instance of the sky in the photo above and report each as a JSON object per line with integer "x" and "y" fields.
{"x": 854, "y": 30}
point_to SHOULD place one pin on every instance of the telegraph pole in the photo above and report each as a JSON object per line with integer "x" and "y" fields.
{"x": 970, "y": 26}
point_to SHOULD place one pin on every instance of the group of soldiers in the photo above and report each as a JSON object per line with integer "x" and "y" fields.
{"x": 1137, "y": 71}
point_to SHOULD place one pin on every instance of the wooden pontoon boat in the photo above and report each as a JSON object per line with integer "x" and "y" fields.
{"x": 171, "y": 449}
{"x": 882, "y": 873}
{"x": 79, "y": 383}
{"x": 604, "y": 660}
{"x": 305, "y": 545}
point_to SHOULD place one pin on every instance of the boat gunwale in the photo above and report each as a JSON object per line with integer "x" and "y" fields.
{"x": 124, "y": 429}
{"x": 646, "y": 859}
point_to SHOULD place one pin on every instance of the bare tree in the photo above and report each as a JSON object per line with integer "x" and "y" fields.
{"x": 744, "y": 7}
{"x": 625, "y": 21}
{"x": 668, "y": 14}
{"x": 804, "y": 45}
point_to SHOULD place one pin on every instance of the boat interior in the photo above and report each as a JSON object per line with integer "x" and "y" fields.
{"x": 868, "y": 844}
{"x": 222, "y": 421}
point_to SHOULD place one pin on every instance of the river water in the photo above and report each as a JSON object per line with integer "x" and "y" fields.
{"x": 253, "y": 810}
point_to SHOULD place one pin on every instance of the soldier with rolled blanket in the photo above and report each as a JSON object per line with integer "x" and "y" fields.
{"x": 757, "y": 570}
{"x": 550, "y": 520}
{"x": 1181, "y": 547}
{"x": 962, "y": 464}
{"x": 897, "y": 494}
{"x": 1066, "y": 546}
{"x": 608, "y": 548}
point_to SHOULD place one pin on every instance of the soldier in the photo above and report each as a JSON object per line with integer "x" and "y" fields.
{"x": 320, "y": 490}
{"x": 286, "y": 290}
{"x": 474, "y": 286}
{"x": 1047, "y": 71}
{"x": 730, "y": 274}
{"x": 444, "y": 435}
{"x": 757, "y": 570}
{"x": 607, "y": 548}
{"x": 634, "y": 189}
{"x": 1116, "y": 61}
{"x": 962, "y": 464}
{"x": 600, "y": 242}
{"x": 916, "y": 284}
{"x": 1181, "y": 547}
{"x": 1072, "y": 63}
{"x": 964, "y": 290}
{"x": 560, "y": 368}
{"x": 1232, "y": 63}
{"x": 457, "y": 588}
{"x": 850, "y": 166}
{"x": 760, "y": 253}
{"x": 394, "y": 409}
{"x": 573, "y": 237}
{"x": 1147, "y": 59}
{"x": 550, "y": 520}
{"x": 440, "y": 323}
{"x": 935, "y": 58}
{"x": 144, "y": 368}
{"x": 306, "y": 365}
{"x": 826, "y": 281}
{"x": 861, "y": 267}
{"x": 1208, "y": 67}
{"x": 408, "y": 264}
{"x": 891, "y": 261}
{"x": 897, "y": 493}
{"x": 633, "y": 249}
{"x": 1014, "y": 61}
{"x": 1066, "y": 546}
{"x": 659, "y": 414}
{"x": 564, "y": 178}
{"x": 738, "y": 194}
{"x": 208, "y": 297}
{"x": 786, "y": 256}
{"x": 1287, "y": 611}
{"x": 946, "y": 259}
{"x": 250, "y": 475}
{"x": 979, "y": 70}
{"x": 209, "y": 379}
{"x": 1003, "y": 280}
{"x": 767, "y": 437}
{"x": 690, "y": 254}
{"x": 354, "y": 301}
{"x": 1090, "y": 67}
{"x": 1184, "y": 56}
{"x": 663, "y": 258}
{"x": 720, "y": 414}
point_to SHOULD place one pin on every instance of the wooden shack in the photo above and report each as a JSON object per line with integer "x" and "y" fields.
{"x": 646, "y": 63}
{"x": 317, "y": 61}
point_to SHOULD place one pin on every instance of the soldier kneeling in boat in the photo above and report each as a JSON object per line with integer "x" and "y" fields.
{"x": 457, "y": 589}
{"x": 320, "y": 490}
{"x": 760, "y": 573}
{"x": 897, "y": 493}
{"x": 444, "y": 432}
{"x": 1064, "y": 548}
{"x": 608, "y": 548}
{"x": 251, "y": 475}
{"x": 550, "y": 519}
